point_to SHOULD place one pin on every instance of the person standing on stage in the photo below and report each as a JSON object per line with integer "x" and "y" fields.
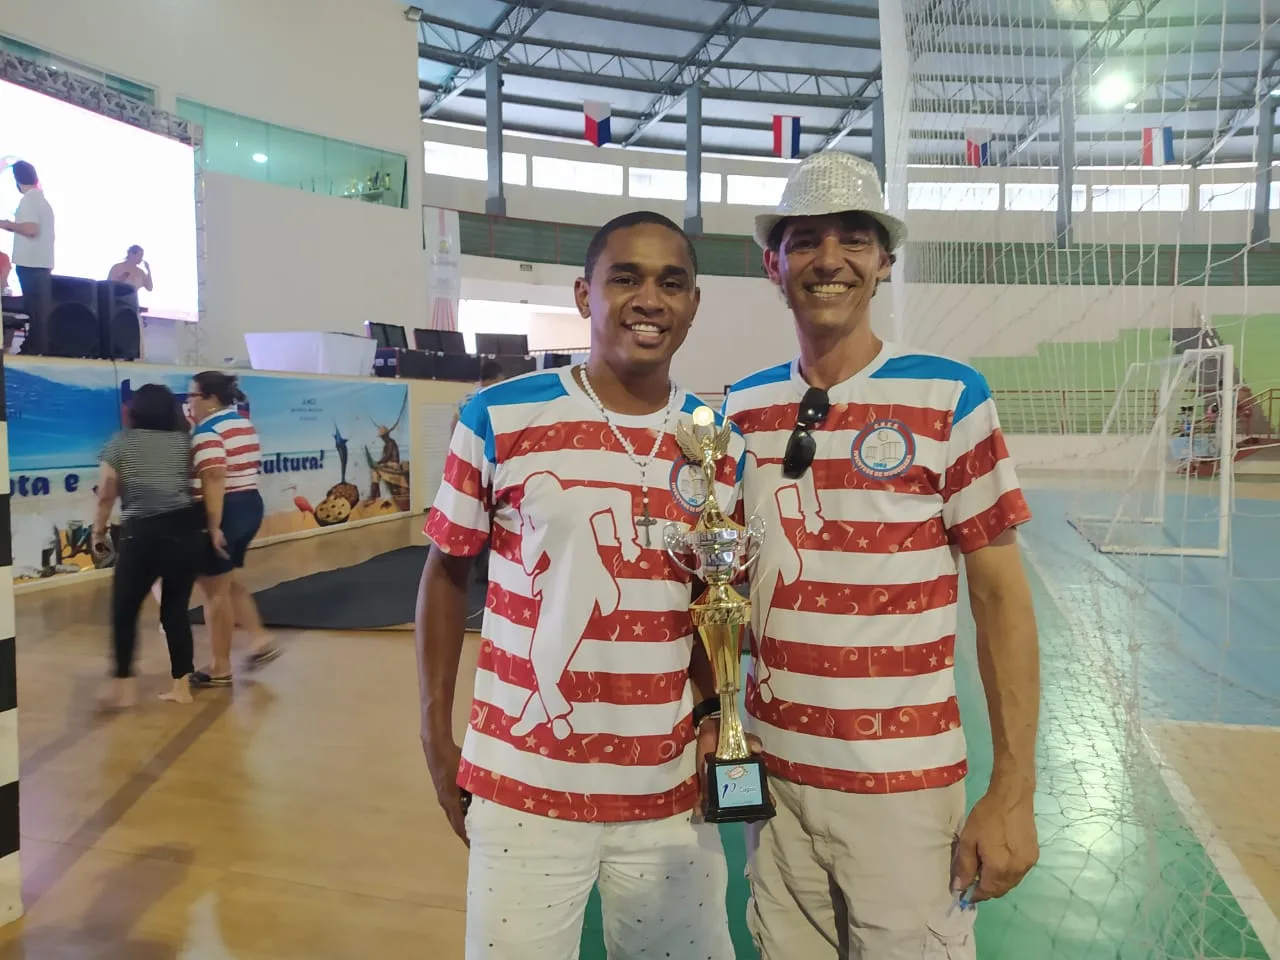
{"x": 892, "y": 466}
{"x": 33, "y": 236}
{"x": 225, "y": 460}
{"x": 580, "y": 753}
{"x": 133, "y": 270}
{"x": 148, "y": 467}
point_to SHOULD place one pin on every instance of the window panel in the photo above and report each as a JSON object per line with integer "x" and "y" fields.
{"x": 651, "y": 183}
{"x": 1141, "y": 197}
{"x": 256, "y": 150}
{"x": 1042, "y": 197}
{"x": 580, "y": 176}
{"x": 472, "y": 163}
{"x": 754, "y": 191}
{"x": 953, "y": 196}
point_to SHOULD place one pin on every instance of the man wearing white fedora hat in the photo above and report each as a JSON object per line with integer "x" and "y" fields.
{"x": 881, "y": 466}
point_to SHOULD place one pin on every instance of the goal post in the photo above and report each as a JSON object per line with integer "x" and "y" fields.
{"x": 1173, "y": 419}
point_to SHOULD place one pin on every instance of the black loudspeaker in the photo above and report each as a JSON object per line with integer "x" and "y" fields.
{"x": 121, "y": 325}
{"x": 417, "y": 364}
{"x": 74, "y": 329}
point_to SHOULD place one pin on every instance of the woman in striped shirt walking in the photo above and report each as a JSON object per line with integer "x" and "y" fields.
{"x": 225, "y": 456}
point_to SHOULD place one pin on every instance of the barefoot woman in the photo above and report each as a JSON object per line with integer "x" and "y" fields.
{"x": 148, "y": 465}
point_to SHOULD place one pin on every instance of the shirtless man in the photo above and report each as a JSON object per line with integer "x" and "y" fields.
{"x": 132, "y": 270}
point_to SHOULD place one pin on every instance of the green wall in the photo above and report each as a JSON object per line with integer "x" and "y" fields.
{"x": 1069, "y": 387}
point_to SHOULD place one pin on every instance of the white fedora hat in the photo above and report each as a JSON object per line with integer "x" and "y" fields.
{"x": 832, "y": 182}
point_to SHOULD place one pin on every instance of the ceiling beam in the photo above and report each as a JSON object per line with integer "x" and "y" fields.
{"x": 1035, "y": 108}
{"x": 1084, "y": 26}
{"x": 640, "y": 18}
{"x": 544, "y": 103}
{"x": 593, "y": 57}
{"x": 918, "y": 106}
{"x": 1106, "y": 38}
{"x": 1267, "y": 84}
{"x": 854, "y": 114}
{"x": 763, "y": 87}
{"x": 513, "y": 24}
{"x": 710, "y": 49}
{"x": 830, "y": 8}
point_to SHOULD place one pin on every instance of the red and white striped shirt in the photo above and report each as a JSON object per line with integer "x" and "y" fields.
{"x": 582, "y": 705}
{"x": 226, "y": 439}
{"x": 852, "y": 684}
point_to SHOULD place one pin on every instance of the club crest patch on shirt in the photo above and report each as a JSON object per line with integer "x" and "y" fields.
{"x": 883, "y": 449}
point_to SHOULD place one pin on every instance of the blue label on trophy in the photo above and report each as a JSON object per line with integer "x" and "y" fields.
{"x": 739, "y": 786}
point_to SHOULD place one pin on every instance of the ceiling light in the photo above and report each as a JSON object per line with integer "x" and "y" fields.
{"x": 1113, "y": 90}
{"x": 259, "y": 158}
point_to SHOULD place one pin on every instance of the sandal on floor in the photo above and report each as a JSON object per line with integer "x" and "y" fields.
{"x": 202, "y": 679}
{"x": 264, "y": 656}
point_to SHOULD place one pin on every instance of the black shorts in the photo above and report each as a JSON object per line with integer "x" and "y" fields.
{"x": 241, "y": 520}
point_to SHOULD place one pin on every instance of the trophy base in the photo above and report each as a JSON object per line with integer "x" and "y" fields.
{"x": 737, "y": 791}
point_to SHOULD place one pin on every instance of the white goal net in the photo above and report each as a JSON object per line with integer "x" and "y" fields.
{"x": 1080, "y": 179}
{"x": 1174, "y": 420}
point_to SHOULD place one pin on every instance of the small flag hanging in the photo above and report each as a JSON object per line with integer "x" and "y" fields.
{"x": 596, "y": 115}
{"x": 786, "y": 137}
{"x": 977, "y": 147}
{"x": 1157, "y": 146}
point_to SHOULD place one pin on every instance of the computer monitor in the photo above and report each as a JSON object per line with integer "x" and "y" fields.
{"x": 377, "y": 332}
{"x": 386, "y": 334}
{"x": 396, "y": 336}
{"x": 440, "y": 341}
{"x": 502, "y": 344}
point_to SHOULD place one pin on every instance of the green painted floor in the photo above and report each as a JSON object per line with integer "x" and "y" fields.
{"x": 1120, "y": 877}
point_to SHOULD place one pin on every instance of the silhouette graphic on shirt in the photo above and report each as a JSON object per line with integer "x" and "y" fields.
{"x": 791, "y": 501}
{"x": 558, "y": 529}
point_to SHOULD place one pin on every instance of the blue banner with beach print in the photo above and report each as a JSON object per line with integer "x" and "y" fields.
{"x": 334, "y": 451}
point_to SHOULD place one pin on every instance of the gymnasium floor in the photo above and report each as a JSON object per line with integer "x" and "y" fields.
{"x": 294, "y": 817}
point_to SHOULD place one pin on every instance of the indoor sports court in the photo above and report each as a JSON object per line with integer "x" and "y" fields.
{"x": 371, "y": 213}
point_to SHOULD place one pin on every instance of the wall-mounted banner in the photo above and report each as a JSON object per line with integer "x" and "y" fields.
{"x": 442, "y": 242}
{"x": 333, "y": 451}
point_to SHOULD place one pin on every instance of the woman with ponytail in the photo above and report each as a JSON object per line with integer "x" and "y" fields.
{"x": 225, "y": 455}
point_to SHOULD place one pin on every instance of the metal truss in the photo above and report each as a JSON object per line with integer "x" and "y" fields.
{"x": 1101, "y": 42}
{"x": 83, "y": 92}
{"x": 832, "y": 8}
{"x": 603, "y": 66}
{"x": 1267, "y": 85}
{"x": 506, "y": 31}
{"x": 710, "y": 50}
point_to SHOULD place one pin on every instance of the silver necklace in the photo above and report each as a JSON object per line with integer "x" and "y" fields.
{"x": 643, "y": 463}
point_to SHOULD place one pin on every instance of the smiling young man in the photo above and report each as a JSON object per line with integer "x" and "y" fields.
{"x": 577, "y": 767}
{"x": 882, "y": 465}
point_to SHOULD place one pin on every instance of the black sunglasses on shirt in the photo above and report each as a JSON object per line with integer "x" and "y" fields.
{"x": 814, "y": 407}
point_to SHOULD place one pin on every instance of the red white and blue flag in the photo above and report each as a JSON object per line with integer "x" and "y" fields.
{"x": 1157, "y": 146}
{"x": 597, "y": 115}
{"x": 786, "y": 137}
{"x": 977, "y": 147}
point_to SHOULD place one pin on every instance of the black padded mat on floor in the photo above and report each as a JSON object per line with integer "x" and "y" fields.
{"x": 380, "y": 592}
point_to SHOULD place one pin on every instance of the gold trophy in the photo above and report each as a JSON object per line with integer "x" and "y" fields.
{"x": 737, "y": 783}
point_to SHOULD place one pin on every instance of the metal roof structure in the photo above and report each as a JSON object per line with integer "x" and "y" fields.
{"x": 1199, "y": 66}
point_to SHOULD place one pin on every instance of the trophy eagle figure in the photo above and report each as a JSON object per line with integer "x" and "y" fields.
{"x": 703, "y": 444}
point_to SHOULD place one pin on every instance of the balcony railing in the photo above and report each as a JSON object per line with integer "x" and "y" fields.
{"x": 1086, "y": 411}
{"x": 1034, "y": 264}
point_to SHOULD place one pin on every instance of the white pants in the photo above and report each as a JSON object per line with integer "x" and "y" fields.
{"x": 662, "y": 887}
{"x": 857, "y": 876}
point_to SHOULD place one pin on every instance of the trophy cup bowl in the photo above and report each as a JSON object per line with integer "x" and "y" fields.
{"x": 721, "y": 550}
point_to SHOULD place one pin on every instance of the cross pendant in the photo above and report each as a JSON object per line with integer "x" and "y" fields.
{"x": 646, "y": 522}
